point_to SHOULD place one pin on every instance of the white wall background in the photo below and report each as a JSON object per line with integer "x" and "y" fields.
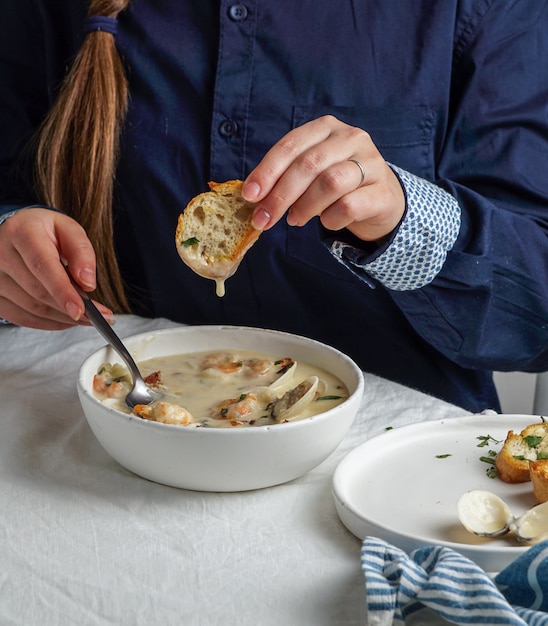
{"x": 516, "y": 391}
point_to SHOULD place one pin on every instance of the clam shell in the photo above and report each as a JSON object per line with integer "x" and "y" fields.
{"x": 294, "y": 401}
{"x": 284, "y": 382}
{"x": 532, "y": 526}
{"x": 484, "y": 513}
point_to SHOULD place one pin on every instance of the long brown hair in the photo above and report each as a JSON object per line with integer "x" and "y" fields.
{"x": 78, "y": 146}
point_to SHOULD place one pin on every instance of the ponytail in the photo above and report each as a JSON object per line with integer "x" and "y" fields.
{"x": 78, "y": 146}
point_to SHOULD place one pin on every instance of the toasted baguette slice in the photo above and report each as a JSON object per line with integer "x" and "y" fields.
{"x": 518, "y": 451}
{"x": 214, "y": 232}
{"x": 511, "y": 464}
{"x": 538, "y": 471}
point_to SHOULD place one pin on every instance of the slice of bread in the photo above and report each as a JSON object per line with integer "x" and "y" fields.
{"x": 538, "y": 471}
{"x": 512, "y": 463}
{"x": 214, "y": 232}
{"x": 514, "y": 459}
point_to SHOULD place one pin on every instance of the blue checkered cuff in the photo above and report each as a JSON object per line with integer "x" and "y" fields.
{"x": 419, "y": 247}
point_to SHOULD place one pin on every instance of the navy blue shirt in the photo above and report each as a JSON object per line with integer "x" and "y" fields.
{"x": 452, "y": 91}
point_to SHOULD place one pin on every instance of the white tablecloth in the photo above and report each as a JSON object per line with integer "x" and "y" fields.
{"x": 83, "y": 541}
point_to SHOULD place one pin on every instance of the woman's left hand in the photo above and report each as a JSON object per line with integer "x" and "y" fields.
{"x": 310, "y": 172}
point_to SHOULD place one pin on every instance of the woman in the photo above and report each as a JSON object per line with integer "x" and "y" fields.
{"x": 395, "y": 149}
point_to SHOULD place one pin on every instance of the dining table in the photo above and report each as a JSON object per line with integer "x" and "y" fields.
{"x": 83, "y": 541}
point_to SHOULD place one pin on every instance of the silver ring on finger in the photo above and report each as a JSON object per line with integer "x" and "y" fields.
{"x": 362, "y": 171}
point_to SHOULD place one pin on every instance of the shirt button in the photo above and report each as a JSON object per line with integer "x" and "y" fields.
{"x": 237, "y": 12}
{"x": 228, "y": 128}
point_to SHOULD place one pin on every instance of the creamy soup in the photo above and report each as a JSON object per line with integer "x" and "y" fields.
{"x": 224, "y": 389}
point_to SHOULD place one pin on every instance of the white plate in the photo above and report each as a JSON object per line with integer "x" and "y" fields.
{"x": 394, "y": 487}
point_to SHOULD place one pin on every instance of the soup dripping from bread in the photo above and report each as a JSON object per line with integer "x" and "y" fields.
{"x": 214, "y": 232}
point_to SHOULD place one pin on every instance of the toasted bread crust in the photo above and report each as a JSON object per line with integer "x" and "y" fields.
{"x": 519, "y": 451}
{"x": 510, "y": 468}
{"x": 538, "y": 470}
{"x": 214, "y": 232}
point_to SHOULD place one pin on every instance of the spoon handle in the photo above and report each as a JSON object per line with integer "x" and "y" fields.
{"x": 101, "y": 324}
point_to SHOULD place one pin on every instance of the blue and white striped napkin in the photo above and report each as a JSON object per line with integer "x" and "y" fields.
{"x": 435, "y": 584}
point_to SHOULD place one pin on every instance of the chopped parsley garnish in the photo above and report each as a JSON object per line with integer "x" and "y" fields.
{"x": 191, "y": 241}
{"x": 442, "y": 456}
{"x": 485, "y": 439}
{"x": 532, "y": 440}
{"x": 329, "y": 398}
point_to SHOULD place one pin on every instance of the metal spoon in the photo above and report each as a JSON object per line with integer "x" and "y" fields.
{"x": 140, "y": 393}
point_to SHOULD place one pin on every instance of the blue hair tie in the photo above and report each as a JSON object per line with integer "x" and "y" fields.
{"x": 102, "y": 23}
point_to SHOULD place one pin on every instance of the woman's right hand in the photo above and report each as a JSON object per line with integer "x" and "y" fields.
{"x": 35, "y": 290}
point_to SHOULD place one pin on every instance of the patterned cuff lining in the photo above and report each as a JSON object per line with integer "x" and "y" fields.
{"x": 419, "y": 247}
{"x": 7, "y": 215}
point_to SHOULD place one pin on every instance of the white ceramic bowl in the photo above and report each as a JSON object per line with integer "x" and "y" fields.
{"x": 221, "y": 459}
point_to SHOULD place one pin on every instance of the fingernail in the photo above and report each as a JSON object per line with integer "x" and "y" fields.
{"x": 251, "y": 191}
{"x": 260, "y": 220}
{"x": 87, "y": 277}
{"x": 74, "y": 311}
